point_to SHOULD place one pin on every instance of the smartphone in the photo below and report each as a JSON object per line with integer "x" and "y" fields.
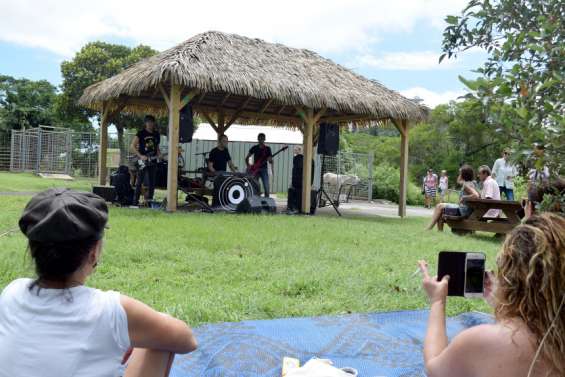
{"x": 466, "y": 272}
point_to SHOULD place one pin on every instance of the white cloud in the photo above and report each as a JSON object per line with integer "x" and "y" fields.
{"x": 431, "y": 98}
{"x": 63, "y": 26}
{"x": 421, "y": 60}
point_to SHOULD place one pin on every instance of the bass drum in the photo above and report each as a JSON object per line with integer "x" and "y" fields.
{"x": 230, "y": 190}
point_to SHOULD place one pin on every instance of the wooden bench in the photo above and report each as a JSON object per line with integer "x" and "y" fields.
{"x": 476, "y": 221}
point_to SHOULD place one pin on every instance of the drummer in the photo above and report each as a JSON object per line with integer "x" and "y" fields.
{"x": 219, "y": 158}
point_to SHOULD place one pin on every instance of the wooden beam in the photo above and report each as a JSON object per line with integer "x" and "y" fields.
{"x": 103, "y": 151}
{"x": 172, "y": 173}
{"x": 319, "y": 114}
{"x": 224, "y": 99}
{"x": 200, "y": 98}
{"x": 209, "y": 120}
{"x": 189, "y": 96}
{"x": 309, "y": 123}
{"x": 250, "y": 114}
{"x": 399, "y": 125}
{"x": 403, "y": 167}
{"x": 221, "y": 122}
{"x": 350, "y": 118}
{"x": 165, "y": 96}
{"x": 265, "y": 106}
{"x": 281, "y": 110}
{"x": 237, "y": 114}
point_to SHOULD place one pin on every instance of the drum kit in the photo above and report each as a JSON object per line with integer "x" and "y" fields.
{"x": 227, "y": 189}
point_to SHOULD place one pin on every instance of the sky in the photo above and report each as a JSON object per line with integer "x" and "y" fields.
{"x": 397, "y": 42}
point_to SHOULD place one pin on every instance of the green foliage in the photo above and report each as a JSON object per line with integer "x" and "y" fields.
{"x": 522, "y": 83}
{"x": 96, "y": 61}
{"x": 25, "y": 103}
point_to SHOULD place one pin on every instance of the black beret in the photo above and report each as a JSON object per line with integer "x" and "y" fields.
{"x": 59, "y": 215}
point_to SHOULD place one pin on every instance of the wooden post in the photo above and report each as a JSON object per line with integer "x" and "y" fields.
{"x": 403, "y": 128}
{"x": 221, "y": 123}
{"x": 172, "y": 173}
{"x": 102, "y": 152}
{"x": 309, "y": 122}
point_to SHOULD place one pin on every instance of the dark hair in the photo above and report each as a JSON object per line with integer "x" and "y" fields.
{"x": 222, "y": 136}
{"x": 261, "y": 134}
{"x": 57, "y": 261}
{"x": 467, "y": 173}
{"x": 149, "y": 118}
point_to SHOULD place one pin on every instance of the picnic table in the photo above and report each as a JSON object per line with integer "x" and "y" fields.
{"x": 477, "y": 222}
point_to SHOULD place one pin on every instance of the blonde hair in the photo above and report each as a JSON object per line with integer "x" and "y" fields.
{"x": 531, "y": 277}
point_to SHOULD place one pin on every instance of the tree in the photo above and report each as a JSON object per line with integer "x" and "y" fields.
{"x": 97, "y": 61}
{"x": 25, "y": 103}
{"x": 522, "y": 81}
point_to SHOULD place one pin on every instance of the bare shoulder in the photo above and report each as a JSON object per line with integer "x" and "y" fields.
{"x": 485, "y": 339}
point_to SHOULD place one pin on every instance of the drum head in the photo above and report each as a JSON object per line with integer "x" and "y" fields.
{"x": 233, "y": 190}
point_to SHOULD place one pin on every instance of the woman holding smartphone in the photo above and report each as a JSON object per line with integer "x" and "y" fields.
{"x": 528, "y": 295}
{"x": 56, "y": 326}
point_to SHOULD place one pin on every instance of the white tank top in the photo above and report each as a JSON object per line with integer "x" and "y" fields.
{"x": 78, "y": 332}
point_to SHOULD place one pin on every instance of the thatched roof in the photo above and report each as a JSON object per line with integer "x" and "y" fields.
{"x": 263, "y": 82}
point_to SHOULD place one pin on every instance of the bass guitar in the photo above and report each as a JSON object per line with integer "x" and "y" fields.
{"x": 254, "y": 169}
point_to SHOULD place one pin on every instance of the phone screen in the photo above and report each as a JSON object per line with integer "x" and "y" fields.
{"x": 474, "y": 275}
{"x": 452, "y": 263}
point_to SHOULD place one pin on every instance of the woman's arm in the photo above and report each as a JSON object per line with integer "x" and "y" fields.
{"x": 157, "y": 331}
{"x": 441, "y": 359}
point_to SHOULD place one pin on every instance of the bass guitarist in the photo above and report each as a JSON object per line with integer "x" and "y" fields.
{"x": 262, "y": 156}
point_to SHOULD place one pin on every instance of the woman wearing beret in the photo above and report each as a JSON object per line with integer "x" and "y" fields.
{"x": 56, "y": 326}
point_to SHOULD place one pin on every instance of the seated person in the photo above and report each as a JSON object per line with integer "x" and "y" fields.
{"x": 528, "y": 296}
{"x": 490, "y": 190}
{"x": 468, "y": 190}
{"x": 220, "y": 158}
{"x": 55, "y": 325}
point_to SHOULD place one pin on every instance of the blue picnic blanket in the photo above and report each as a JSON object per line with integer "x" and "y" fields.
{"x": 377, "y": 344}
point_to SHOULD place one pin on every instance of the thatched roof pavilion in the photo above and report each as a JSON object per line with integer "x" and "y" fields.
{"x": 228, "y": 78}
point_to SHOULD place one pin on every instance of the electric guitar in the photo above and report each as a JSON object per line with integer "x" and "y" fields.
{"x": 254, "y": 169}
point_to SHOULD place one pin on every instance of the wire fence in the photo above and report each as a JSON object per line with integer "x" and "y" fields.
{"x": 64, "y": 151}
{"x": 4, "y": 151}
{"x": 352, "y": 175}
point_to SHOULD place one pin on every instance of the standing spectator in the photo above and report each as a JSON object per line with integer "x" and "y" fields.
{"x": 430, "y": 187}
{"x": 489, "y": 190}
{"x": 443, "y": 185}
{"x": 538, "y": 173}
{"x": 504, "y": 172}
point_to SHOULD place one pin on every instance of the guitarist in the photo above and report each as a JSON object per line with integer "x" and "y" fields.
{"x": 262, "y": 155}
{"x": 145, "y": 145}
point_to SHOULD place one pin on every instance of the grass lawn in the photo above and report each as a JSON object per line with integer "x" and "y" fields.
{"x": 29, "y": 182}
{"x": 210, "y": 268}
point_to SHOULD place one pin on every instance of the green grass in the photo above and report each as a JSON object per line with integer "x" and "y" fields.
{"x": 210, "y": 268}
{"x": 28, "y": 182}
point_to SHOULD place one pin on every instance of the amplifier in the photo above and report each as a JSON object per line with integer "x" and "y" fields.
{"x": 294, "y": 200}
{"x": 108, "y": 193}
{"x": 257, "y": 204}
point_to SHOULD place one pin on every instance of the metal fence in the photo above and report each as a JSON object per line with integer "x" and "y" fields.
{"x": 57, "y": 150}
{"x": 357, "y": 165}
{"x": 4, "y": 151}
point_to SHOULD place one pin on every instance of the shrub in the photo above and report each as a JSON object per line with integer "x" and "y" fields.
{"x": 386, "y": 182}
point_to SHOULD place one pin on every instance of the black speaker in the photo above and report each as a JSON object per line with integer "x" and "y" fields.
{"x": 186, "y": 126}
{"x": 294, "y": 200}
{"x": 108, "y": 193}
{"x": 328, "y": 143}
{"x": 257, "y": 204}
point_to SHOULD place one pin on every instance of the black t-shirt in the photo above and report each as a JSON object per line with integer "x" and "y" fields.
{"x": 148, "y": 142}
{"x": 297, "y": 167}
{"x": 219, "y": 158}
{"x": 259, "y": 153}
